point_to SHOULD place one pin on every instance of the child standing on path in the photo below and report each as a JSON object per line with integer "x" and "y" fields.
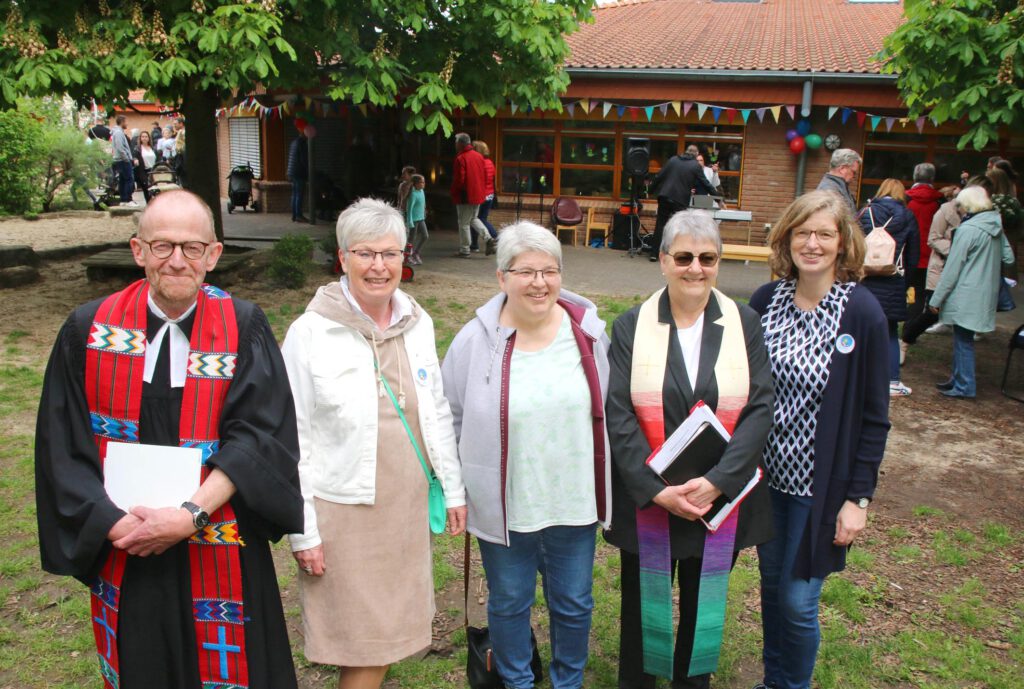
{"x": 416, "y": 218}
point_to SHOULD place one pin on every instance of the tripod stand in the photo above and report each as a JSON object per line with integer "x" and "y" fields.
{"x": 635, "y": 226}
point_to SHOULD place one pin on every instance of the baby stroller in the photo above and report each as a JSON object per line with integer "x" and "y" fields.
{"x": 240, "y": 188}
{"x": 161, "y": 178}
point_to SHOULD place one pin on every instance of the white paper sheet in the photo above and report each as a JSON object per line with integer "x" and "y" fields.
{"x": 151, "y": 475}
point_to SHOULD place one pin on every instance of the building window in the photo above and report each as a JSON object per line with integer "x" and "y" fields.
{"x": 244, "y": 136}
{"x": 583, "y": 157}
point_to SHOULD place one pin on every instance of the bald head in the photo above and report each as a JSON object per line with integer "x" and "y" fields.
{"x": 178, "y": 205}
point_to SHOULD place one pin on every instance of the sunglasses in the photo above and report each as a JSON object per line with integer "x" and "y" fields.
{"x": 684, "y": 258}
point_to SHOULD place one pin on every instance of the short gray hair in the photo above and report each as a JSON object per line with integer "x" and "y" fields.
{"x": 843, "y": 156}
{"x": 462, "y": 139}
{"x": 368, "y": 220}
{"x": 692, "y": 150}
{"x": 524, "y": 236}
{"x": 924, "y": 172}
{"x": 700, "y": 225}
{"x": 974, "y": 199}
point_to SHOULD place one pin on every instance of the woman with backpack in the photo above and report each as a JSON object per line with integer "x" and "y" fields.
{"x": 890, "y": 259}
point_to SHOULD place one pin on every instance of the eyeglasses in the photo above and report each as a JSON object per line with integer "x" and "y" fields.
{"x": 528, "y": 274}
{"x": 190, "y": 250}
{"x": 367, "y": 256}
{"x": 684, "y": 258}
{"x": 803, "y": 236}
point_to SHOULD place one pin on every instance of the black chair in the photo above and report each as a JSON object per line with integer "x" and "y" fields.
{"x": 1016, "y": 343}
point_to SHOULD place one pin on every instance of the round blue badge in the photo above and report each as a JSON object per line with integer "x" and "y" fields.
{"x": 421, "y": 376}
{"x": 845, "y": 343}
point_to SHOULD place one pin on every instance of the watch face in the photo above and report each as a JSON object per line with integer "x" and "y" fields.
{"x": 832, "y": 142}
{"x": 200, "y": 519}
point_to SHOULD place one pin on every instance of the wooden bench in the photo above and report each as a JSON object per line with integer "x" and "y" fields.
{"x": 744, "y": 252}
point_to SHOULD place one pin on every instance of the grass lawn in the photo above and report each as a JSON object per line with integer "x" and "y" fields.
{"x": 933, "y": 596}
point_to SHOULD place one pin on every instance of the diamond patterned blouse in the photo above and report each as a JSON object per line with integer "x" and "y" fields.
{"x": 800, "y": 345}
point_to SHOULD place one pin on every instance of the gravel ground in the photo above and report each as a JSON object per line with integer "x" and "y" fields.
{"x": 72, "y": 228}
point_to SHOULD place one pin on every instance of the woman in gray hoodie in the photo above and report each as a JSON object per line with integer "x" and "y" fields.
{"x": 526, "y": 380}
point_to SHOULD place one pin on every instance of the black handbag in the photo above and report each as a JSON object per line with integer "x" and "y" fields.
{"x": 481, "y": 671}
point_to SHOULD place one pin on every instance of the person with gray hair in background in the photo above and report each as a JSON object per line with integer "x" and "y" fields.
{"x": 842, "y": 171}
{"x": 373, "y": 425}
{"x": 923, "y": 200}
{"x": 966, "y": 295}
{"x": 468, "y": 191}
{"x": 527, "y": 380}
{"x": 687, "y": 344}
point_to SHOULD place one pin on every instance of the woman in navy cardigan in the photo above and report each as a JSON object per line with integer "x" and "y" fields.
{"x": 826, "y": 339}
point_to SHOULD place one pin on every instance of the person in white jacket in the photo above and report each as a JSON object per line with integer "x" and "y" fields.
{"x": 360, "y": 359}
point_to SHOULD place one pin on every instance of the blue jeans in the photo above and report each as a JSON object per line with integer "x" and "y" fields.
{"x": 298, "y": 191}
{"x": 789, "y": 606}
{"x": 963, "y": 362}
{"x": 125, "y": 180}
{"x": 894, "y": 351}
{"x": 564, "y": 556}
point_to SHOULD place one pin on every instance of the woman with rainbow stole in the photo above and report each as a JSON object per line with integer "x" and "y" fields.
{"x": 687, "y": 343}
{"x": 826, "y": 336}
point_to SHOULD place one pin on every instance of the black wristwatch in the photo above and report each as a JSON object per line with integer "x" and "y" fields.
{"x": 199, "y": 516}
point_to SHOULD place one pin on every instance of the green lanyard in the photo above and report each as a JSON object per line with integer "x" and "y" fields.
{"x": 401, "y": 415}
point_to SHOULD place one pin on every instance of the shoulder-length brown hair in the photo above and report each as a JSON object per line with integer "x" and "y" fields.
{"x": 892, "y": 188}
{"x": 850, "y": 263}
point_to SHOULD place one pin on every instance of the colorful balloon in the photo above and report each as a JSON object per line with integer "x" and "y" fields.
{"x": 310, "y": 131}
{"x": 791, "y": 134}
{"x": 300, "y": 124}
{"x": 803, "y": 127}
{"x": 813, "y": 141}
{"x": 798, "y": 145}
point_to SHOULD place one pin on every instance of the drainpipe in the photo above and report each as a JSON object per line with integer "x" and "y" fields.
{"x": 805, "y": 111}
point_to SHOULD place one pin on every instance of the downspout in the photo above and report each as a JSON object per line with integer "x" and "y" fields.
{"x": 805, "y": 111}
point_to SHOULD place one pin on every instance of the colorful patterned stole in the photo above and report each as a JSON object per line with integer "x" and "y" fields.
{"x": 115, "y": 358}
{"x": 650, "y": 357}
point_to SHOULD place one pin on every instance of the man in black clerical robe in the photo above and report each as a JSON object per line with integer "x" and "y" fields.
{"x": 251, "y": 472}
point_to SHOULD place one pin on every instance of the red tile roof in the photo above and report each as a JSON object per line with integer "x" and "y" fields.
{"x": 798, "y": 35}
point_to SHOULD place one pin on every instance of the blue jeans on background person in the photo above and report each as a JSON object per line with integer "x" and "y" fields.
{"x": 125, "y": 180}
{"x": 789, "y": 606}
{"x": 963, "y": 382}
{"x": 564, "y": 556}
{"x": 298, "y": 191}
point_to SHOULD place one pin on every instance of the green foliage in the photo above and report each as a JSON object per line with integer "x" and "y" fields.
{"x": 430, "y": 58}
{"x": 21, "y": 150}
{"x": 291, "y": 260}
{"x": 962, "y": 59}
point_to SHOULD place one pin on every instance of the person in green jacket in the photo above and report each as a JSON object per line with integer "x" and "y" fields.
{"x": 965, "y": 297}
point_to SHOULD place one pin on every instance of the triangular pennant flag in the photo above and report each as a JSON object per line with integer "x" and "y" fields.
{"x": 362, "y": 109}
{"x": 590, "y": 108}
{"x": 633, "y": 113}
{"x": 620, "y": 110}
{"x": 529, "y": 109}
{"x": 846, "y": 114}
{"x": 861, "y": 116}
{"x": 832, "y": 112}
{"x": 875, "y": 119}
{"x": 664, "y": 109}
{"x": 676, "y": 105}
{"x": 701, "y": 109}
{"x": 585, "y": 104}
{"x": 760, "y": 114}
{"x": 571, "y": 107}
{"x": 606, "y": 106}
{"x": 904, "y": 121}
{"x": 791, "y": 109}
{"x": 889, "y": 121}
{"x": 649, "y": 111}
{"x": 476, "y": 109}
{"x": 514, "y": 107}
{"x": 776, "y": 111}
{"x": 746, "y": 115}
{"x": 935, "y": 120}
{"x": 730, "y": 115}
{"x": 687, "y": 105}
{"x": 285, "y": 109}
{"x": 716, "y": 112}
{"x": 920, "y": 124}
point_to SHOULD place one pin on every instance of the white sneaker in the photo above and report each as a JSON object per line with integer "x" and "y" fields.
{"x": 898, "y": 389}
{"x": 938, "y": 329}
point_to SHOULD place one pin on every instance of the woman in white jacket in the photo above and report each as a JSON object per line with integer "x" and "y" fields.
{"x": 362, "y": 351}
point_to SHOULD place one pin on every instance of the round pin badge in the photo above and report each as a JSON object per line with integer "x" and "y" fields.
{"x": 421, "y": 376}
{"x": 845, "y": 343}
